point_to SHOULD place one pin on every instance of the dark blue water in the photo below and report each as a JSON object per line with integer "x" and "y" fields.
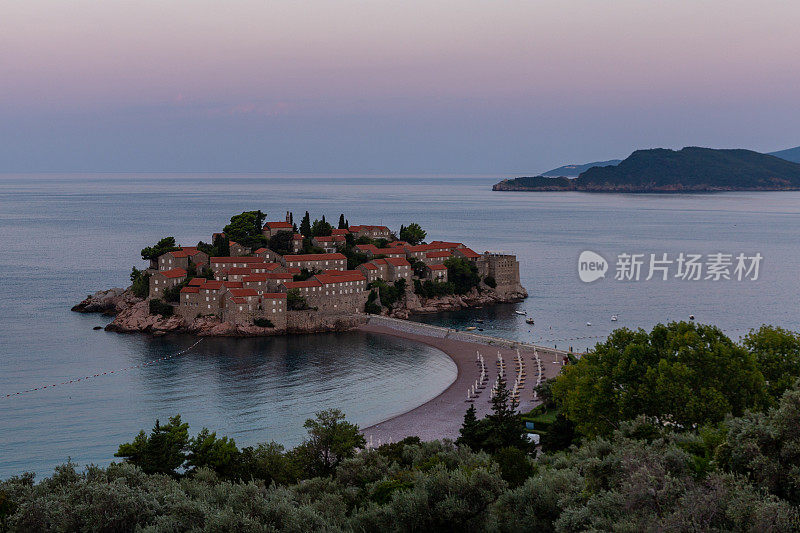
{"x": 66, "y": 236}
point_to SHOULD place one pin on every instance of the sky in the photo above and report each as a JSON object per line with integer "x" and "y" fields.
{"x": 345, "y": 86}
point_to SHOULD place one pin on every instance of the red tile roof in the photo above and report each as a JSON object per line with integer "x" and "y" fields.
{"x": 189, "y": 289}
{"x": 421, "y": 248}
{"x": 211, "y": 285}
{"x": 232, "y": 284}
{"x": 397, "y": 261}
{"x": 294, "y": 270}
{"x": 297, "y": 237}
{"x": 327, "y": 279}
{"x": 223, "y": 260}
{"x": 243, "y": 292}
{"x": 366, "y": 247}
{"x": 388, "y": 251}
{"x": 445, "y": 244}
{"x": 238, "y": 300}
{"x": 339, "y": 232}
{"x": 437, "y": 267}
{"x": 273, "y": 295}
{"x": 394, "y": 244}
{"x": 194, "y": 282}
{"x": 434, "y": 255}
{"x": 313, "y": 257}
{"x": 379, "y": 261}
{"x": 240, "y": 270}
{"x": 468, "y": 252}
{"x": 330, "y": 238}
{"x": 369, "y": 266}
{"x": 277, "y": 275}
{"x": 173, "y": 273}
{"x": 254, "y": 277}
{"x": 356, "y": 229}
{"x": 261, "y": 250}
{"x": 278, "y": 225}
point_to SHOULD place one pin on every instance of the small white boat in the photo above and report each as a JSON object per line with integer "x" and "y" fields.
{"x": 588, "y": 323}
{"x": 529, "y": 320}
{"x": 691, "y": 317}
{"x": 471, "y": 328}
{"x": 613, "y": 318}
{"x": 521, "y": 312}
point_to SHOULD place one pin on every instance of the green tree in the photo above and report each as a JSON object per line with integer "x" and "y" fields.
{"x": 463, "y": 274}
{"x": 219, "y": 454}
{"x": 777, "y": 353}
{"x": 412, "y": 234}
{"x": 305, "y": 226}
{"x": 320, "y": 228}
{"x": 222, "y": 246}
{"x": 152, "y": 253}
{"x": 281, "y": 242}
{"x": 140, "y": 283}
{"x": 515, "y": 465}
{"x": 470, "y": 434}
{"x": 295, "y": 301}
{"x": 504, "y": 426}
{"x": 163, "y": 451}
{"x": 331, "y": 439}
{"x": 246, "y": 228}
{"x": 342, "y": 222}
{"x": 682, "y": 373}
{"x": 270, "y": 463}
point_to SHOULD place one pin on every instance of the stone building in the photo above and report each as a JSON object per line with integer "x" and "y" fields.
{"x": 219, "y": 263}
{"x": 399, "y": 268}
{"x": 436, "y": 258}
{"x": 436, "y": 272}
{"x": 237, "y": 250}
{"x": 164, "y": 279}
{"x": 272, "y": 228}
{"x": 181, "y": 258}
{"x": 330, "y": 243}
{"x": 312, "y": 262}
{"x": 373, "y": 232}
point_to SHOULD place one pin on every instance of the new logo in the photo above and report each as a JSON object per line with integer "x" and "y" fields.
{"x": 591, "y": 266}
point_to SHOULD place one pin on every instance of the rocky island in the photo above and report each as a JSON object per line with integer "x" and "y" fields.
{"x": 691, "y": 169}
{"x": 271, "y": 278}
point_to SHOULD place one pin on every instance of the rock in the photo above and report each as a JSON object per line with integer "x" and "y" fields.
{"x": 102, "y": 301}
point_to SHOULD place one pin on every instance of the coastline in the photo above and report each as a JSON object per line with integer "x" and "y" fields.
{"x": 441, "y": 417}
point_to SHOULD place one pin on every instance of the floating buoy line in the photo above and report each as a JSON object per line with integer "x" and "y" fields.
{"x": 100, "y": 374}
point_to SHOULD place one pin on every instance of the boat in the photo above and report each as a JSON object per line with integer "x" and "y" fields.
{"x": 529, "y": 320}
{"x": 479, "y": 321}
{"x": 613, "y": 318}
{"x": 521, "y": 312}
{"x": 470, "y": 328}
{"x": 588, "y": 323}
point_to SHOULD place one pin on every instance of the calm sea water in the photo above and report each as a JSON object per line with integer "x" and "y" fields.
{"x": 64, "y": 236}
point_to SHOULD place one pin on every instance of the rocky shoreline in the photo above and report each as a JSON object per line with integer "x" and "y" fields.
{"x": 132, "y": 314}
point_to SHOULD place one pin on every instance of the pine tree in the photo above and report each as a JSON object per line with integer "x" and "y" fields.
{"x": 342, "y": 222}
{"x": 305, "y": 225}
{"x": 504, "y": 424}
{"x": 470, "y": 430}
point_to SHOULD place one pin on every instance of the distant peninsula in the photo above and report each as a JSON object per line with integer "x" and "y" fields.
{"x": 691, "y": 169}
{"x": 572, "y": 171}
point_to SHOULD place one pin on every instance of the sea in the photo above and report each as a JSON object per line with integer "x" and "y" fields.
{"x": 65, "y": 236}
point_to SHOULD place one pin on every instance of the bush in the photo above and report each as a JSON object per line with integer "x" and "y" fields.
{"x": 263, "y": 323}
{"x": 371, "y": 307}
{"x": 433, "y": 289}
{"x": 140, "y": 280}
{"x": 463, "y": 274}
{"x": 490, "y": 281}
{"x": 158, "y": 307}
{"x": 295, "y": 302}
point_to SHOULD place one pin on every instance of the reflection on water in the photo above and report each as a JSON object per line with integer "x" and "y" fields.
{"x": 253, "y": 390}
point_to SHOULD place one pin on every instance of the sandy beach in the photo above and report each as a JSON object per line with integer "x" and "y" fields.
{"x": 442, "y": 416}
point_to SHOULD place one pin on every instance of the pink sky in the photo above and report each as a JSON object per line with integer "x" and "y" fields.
{"x": 529, "y": 84}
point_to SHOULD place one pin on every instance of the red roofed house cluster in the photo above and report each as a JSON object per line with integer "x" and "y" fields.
{"x": 260, "y": 287}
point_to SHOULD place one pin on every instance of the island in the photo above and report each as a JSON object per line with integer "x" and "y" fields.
{"x": 691, "y": 169}
{"x": 260, "y": 277}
